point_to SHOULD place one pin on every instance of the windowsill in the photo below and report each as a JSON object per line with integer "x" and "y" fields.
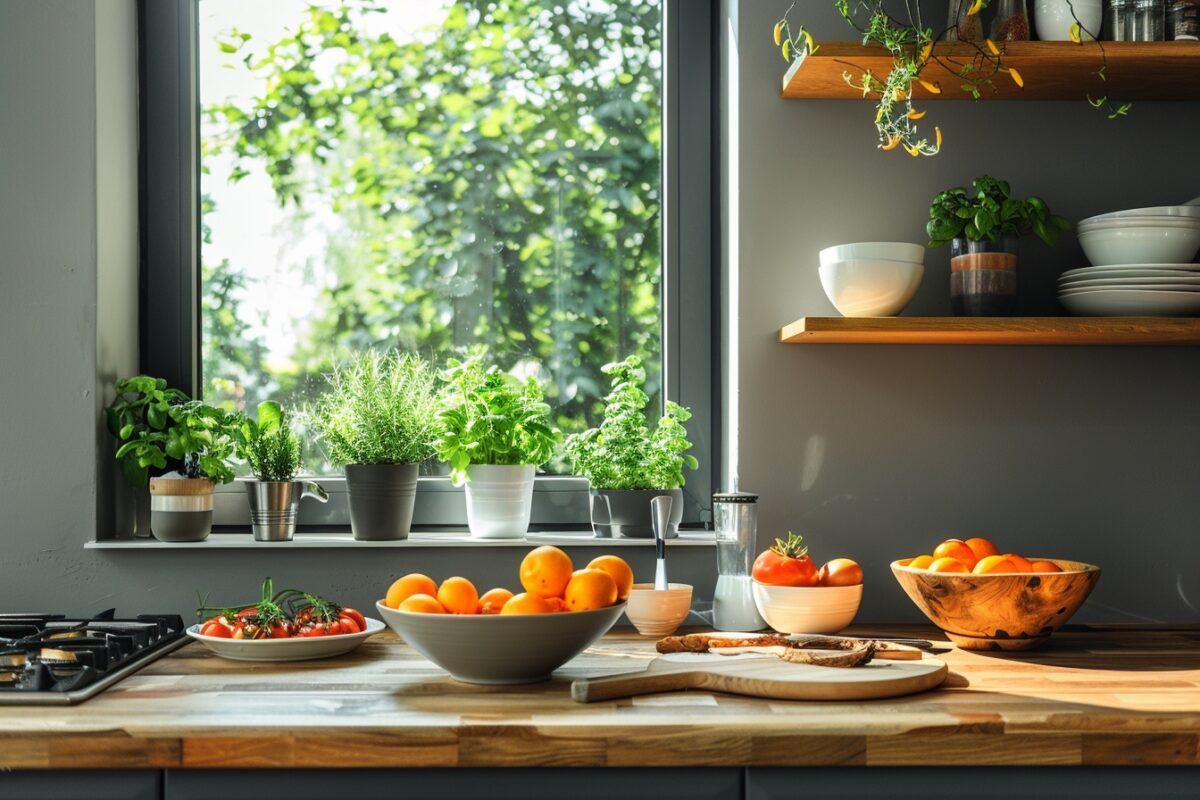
{"x": 225, "y": 541}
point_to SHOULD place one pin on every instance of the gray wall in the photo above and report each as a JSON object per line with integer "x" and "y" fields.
{"x": 873, "y": 452}
{"x": 879, "y": 452}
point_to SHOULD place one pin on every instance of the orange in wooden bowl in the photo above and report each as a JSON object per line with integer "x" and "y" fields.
{"x": 999, "y": 610}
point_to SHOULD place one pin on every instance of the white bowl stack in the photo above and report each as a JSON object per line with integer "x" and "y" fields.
{"x": 1141, "y": 264}
{"x": 871, "y": 279}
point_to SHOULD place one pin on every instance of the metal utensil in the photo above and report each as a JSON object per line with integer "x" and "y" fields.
{"x": 660, "y": 513}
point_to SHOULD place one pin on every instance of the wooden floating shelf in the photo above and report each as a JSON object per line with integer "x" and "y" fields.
{"x": 993, "y": 330}
{"x": 1052, "y": 71}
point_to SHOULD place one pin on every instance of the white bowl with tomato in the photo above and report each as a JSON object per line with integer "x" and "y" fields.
{"x": 288, "y": 625}
{"x": 795, "y": 596}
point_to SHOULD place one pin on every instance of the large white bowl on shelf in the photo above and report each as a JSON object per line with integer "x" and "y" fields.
{"x": 807, "y": 609}
{"x": 1158, "y": 212}
{"x": 870, "y": 288}
{"x": 874, "y": 251}
{"x": 1144, "y": 244}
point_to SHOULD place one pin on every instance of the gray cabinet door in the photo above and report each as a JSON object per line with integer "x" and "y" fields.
{"x": 82, "y": 784}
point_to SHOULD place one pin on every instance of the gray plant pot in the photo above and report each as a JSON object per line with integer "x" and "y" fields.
{"x": 381, "y": 500}
{"x": 626, "y": 512}
{"x": 181, "y": 509}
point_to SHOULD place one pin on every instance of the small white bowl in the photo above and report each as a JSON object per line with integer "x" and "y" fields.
{"x": 875, "y": 251}
{"x": 870, "y": 287}
{"x": 658, "y": 612}
{"x": 1147, "y": 244}
{"x": 807, "y": 609}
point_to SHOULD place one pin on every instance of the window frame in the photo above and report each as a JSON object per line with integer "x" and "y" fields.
{"x": 169, "y": 265}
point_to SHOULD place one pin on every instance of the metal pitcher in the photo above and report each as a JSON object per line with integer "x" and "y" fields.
{"x": 274, "y": 506}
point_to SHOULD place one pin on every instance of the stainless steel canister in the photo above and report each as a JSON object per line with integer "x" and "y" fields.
{"x": 275, "y": 505}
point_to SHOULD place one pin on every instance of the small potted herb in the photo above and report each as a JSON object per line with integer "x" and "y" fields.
{"x": 982, "y": 231}
{"x": 626, "y": 462}
{"x": 376, "y": 419}
{"x": 180, "y": 447}
{"x": 494, "y": 431}
{"x": 272, "y": 450}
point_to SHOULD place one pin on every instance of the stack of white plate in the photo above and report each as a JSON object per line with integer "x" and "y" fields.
{"x": 1132, "y": 290}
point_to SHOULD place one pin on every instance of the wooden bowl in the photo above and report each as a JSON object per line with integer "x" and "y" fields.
{"x": 999, "y": 610}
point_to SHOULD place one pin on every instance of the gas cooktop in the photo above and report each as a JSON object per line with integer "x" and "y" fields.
{"x": 50, "y": 659}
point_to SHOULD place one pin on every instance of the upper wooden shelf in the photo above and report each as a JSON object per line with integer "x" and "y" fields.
{"x": 1052, "y": 71}
{"x": 992, "y": 330}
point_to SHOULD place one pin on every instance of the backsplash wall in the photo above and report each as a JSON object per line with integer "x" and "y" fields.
{"x": 879, "y": 452}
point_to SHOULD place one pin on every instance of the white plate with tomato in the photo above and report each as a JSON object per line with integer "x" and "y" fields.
{"x": 288, "y": 625}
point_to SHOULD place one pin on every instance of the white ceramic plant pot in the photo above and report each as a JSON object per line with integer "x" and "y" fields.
{"x": 499, "y": 498}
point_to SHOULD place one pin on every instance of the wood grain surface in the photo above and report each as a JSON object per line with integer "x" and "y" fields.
{"x": 1114, "y": 695}
{"x": 992, "y": 330}
{"x": 1051, "y": 71}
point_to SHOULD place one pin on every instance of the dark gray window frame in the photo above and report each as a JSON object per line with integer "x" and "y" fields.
{"x": 170, "y": 234}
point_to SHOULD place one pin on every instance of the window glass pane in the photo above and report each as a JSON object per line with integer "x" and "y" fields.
{"x": 433, "y": 175}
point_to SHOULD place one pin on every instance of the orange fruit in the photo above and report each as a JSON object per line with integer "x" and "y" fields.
{"x": 956, "y": 549}
{"x": 1020, "y": 563}
{"x": 458, "y": 596}
{"x": 526, "y": 603}
{"x": 422, "y": 604}
{"x": 556, "y": 604}
{"x": 840, "y": 572}
{"x": 947, "y": 564}
{"x": 545, "y": 571}
{"x": 1045, "y": 566}
{"x": 589, "y": 589}
{"x": 920, "y": 562}
{"x": 404, "y": 588}
{"x": 993, "y": 564}
{"x": 491, "y": 601}
{"x": 618, "y": 570}
{"x": 981, "y": 547}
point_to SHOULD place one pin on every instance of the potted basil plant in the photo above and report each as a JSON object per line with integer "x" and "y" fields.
{"x": 494, "y": 431}
{"x": 629, "y": 464}
{"x": 376, "y": 419}
{"x": 180, "y": 447}
{"x": 982, "y": 231}
{"x": 272, "y": 450}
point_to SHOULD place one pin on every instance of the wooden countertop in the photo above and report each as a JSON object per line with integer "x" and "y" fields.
{"x": 1112, "y": 695}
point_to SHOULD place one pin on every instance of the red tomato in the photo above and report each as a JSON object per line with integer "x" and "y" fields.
{"x": 216, "y": 628}
{"x": 310, "y": 630}
{"x": 247, "y": 612}
{"x": 786, "y": 563}
{"x": 358, "y": 618}
{"x": 334, "y": 629}
{"x": 278, "y": 630}
{"x": 840, "y": 572}
{"x": 348, "y": 623}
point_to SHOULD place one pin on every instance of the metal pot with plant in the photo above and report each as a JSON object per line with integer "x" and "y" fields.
{"x": 272, "y": 450}
{"x": 627, "y": 463}
{"x": 376, "y": 419}
{"x": 982, "y": 231}
{"x": 180, "y": 447}
{"x": 494, "y": 430}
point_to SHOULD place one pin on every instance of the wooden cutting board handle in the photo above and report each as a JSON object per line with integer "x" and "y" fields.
{"x": 659, "y": 676}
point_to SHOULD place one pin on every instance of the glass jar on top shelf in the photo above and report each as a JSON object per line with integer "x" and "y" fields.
{"x": 961, "y": 26}
{"x": 1011, "y": 23}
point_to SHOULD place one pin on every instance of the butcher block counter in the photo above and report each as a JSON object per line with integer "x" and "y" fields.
{"x": 1093, "y": 696}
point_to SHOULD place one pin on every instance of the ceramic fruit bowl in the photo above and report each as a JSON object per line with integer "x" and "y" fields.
{"x": 501, "y": 648}
{"x": 807, "y": 609}
{"x": 658, "y": 612}
{"x": 999, "y": 610}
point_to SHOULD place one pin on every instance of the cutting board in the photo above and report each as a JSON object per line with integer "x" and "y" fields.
{"x": 766, "y": 676}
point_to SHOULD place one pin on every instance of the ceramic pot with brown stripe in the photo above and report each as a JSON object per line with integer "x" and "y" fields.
{"x": 983, "y": 277}
{"x": 181, "y": 509}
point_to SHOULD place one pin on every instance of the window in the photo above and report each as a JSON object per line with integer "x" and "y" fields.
{"x": 435, "y": 175}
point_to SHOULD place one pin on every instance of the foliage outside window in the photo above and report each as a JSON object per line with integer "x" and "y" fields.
{"x": 433, "y": 176}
